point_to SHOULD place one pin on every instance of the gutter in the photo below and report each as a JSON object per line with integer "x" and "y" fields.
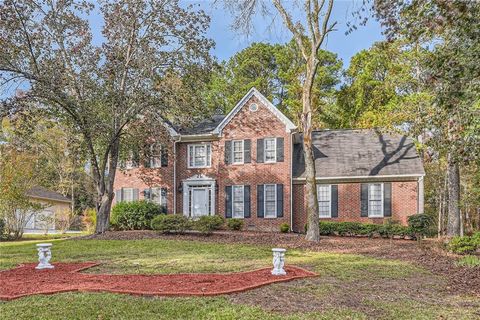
{"x": 353, "y": 178}
{"x": 291, "y": 182}
{"x": 174, "y": 177}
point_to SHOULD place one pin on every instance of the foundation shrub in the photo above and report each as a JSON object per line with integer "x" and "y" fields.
{"x": 170, "y": 223}
{"x": 235, "y": 224}
{"x": 284, "y": 228}
{"x": 420, "y": 225}
{"x": 388, "y": 229}
{"x": 135, "y": 215}
{"x": 207, "y": 224}
{"x": 465, "y": 245}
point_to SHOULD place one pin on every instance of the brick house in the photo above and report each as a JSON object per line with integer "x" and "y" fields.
{"x": 249, "y": 165}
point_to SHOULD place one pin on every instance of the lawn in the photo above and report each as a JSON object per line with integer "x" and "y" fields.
{"x": 350, "y": 286}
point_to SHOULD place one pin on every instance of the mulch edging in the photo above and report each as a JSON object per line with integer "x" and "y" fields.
{"x": 25, "y": 280}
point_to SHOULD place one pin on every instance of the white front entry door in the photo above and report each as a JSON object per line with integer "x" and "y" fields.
{"x": 199, "y": 202}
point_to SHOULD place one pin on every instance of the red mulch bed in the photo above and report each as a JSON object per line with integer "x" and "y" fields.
{"x": 25, "y": 280}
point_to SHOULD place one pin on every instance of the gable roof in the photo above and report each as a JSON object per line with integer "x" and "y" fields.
{"x": 254, "y": 92}
{"x": 359, "y": 154}
{"x": 43, "y": 193}
{"x": 203, "y": 127}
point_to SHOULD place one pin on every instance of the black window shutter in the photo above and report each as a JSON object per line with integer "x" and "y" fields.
{"x": 147, "y": 194}
{"x": 279, "y": 200}
{"x": 135, "y": 158}
{"x": 164, "y": 157}
{"x": 364, "y": 200}
{"x": 228, "y": 152}
{"x": 387, "y": 199}
{"x": 246, "y": 201}
{"x": 146, "y": 159}
{"x": 247, "y": 156}
{"x": 260, "y": 196}
{"x": 260, "y": 147}
{"x": 334, "y": 201}
{"x": 228, "y": 201}
{"x": 280, "y": 152}
{"x": 164, "y": 200}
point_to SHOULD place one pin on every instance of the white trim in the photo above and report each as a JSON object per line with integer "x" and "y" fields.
{"x": 329, "y": 201}
{"x": 289, "y": 126}
{"x": 233, "y": 152}
{"x": 198, "y": 180}
{"x": 265, "y": 201}
{"x": 208, "y": 157}
{"x": 366, "y": 177}
{"x": 382, "y": 200}
{"x": 233, "y": 201}
{"x": 265, "y": 149}
{"x": 174, "y": 189}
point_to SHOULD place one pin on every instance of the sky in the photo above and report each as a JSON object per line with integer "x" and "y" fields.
{"x": 228, "y": 41}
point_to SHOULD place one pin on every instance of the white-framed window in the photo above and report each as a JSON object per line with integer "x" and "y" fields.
{"x": 199, "y": 155}
{"x": 270, "y": 149}
{"x": 238, "y": 201}
{"x": 127, "y": 194}
{"x": 238, "y": 151}
{"x": 375, "y": 200}
{"x": 155, "y": 156}
{"x": 270, "y": 200}
{"x": 132, "y": 161}
{"x": 324, "y": 194}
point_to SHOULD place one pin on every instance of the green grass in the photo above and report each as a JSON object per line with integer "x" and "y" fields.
{"x": 349, "y": 287}
{"x": 469, "y": 261}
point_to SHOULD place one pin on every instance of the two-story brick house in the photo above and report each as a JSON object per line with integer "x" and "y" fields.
{"x": 249, "y": 165}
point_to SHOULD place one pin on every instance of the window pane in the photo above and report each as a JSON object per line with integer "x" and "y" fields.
{"x": 270, "y": 200}
{"x": 270, "y": 152}
{"x": 127, "y": 194}
{"x": 238, "y": 151}
{"x": 238, "y": 201}
{"x": 375, "y": 200}
{"x": 323, "y": 194}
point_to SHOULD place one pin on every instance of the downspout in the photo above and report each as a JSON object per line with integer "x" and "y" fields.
{"x": 174, "y": 177}
{"x": 291, "y": 181}
{"x": 421, "y": 195}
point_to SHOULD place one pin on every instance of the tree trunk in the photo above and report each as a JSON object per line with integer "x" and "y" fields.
{"x": 453, "y": 172}
{"x": 313, "y": 230}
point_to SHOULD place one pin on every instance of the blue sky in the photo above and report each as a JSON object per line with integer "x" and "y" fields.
{"x": 228, "y": 42}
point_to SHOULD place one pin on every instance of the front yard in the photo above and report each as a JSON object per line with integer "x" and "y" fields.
{"x": 359, "y": 279}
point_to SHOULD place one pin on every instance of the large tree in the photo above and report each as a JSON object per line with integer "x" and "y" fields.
{"x": 100, "y": 86}
{"x": 309, "y": 34}
{"x": 450, "y": 29}
{"x": 276, "y": 70}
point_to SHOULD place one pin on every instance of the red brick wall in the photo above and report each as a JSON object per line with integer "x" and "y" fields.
{"x": 404, "y": 204}
{"x": 144, "y": 178}
{"x": 245, "y": 125}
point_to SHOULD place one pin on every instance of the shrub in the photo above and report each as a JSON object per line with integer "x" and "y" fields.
{"x": 206, "y": 224}
{"x": 235, "y": 224}
{"x": 135, "y": 215}
{"x": 327, "y": 228}
{"x": 388, "y": 229}
{"x": 284, "y": 227}
{"x": 469, "y": 261}
{"x": 89, "y": 220}
{"x": 170, "y": 223}
{"x": 420, "y": 224}
{"x": 2, "y": 228}
{"x": 464, "y": 245}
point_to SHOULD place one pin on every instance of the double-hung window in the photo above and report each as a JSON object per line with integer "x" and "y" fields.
{"x": 238, "y": 153}
{"x": 155, "y": 156}
{"x": 199, "y": 155}
{"x": 375, "y": 200}
{"x": 270, "y": 200}
{"x": 270, "y": 149}
{"x": 127, "y": 194}
{"x": 238, "y": 202}
{"x": 324, "y": 194}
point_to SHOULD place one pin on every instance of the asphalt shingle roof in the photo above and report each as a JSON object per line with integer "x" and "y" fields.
{"x": 358, "y": 153}
{"x": 43, "y": 193}
{"x": 204, "y": 126}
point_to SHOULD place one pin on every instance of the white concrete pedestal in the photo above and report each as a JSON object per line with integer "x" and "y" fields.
{"x": 44, "y": 256}
{"x": 278, "y": 261}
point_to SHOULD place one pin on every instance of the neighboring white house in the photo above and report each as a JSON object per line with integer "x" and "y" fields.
{"x": 54, "y": 204}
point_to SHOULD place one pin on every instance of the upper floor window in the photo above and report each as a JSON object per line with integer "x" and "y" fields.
{"x": 324, "y": 200}
{"x": 270, "y": 149}
{"x": 155, "y": 155}
{"x": 375, "y": 200}
{"x": 199, "y": 155}
{"x": 238, "y": 153}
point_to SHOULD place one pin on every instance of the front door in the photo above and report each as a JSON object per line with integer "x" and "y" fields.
{"x": 199, "y": 202}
